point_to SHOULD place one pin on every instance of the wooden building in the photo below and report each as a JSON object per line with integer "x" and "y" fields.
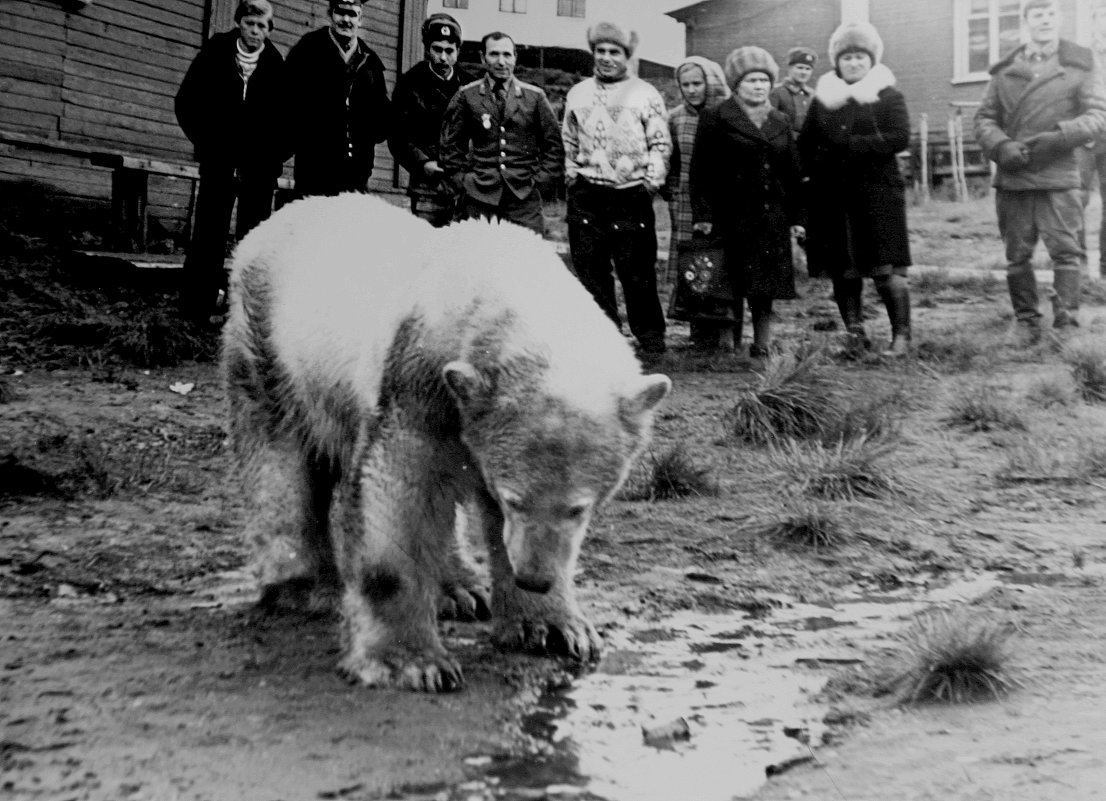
{"x": 88, "y": 85}
{"x": 939, "y": 50}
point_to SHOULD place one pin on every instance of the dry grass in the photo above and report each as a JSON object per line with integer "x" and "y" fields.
{"x": 875, "y": 415}
{"x": 1049, "y": 394}
{"x": 956, "y": 350}
{"x": 980, "y": 407}
{"x": 1088, "y": 370}
{"x": 672, "y": 475}
{"x": 849, "y": 470}
{"x": 954, "y": 657}
{"x": 807, "y": 524}
{"x": 7, "y": 394}
{"x": 796, "y": 397}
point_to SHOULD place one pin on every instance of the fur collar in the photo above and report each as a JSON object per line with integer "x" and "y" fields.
{"x": 835, "y": 93}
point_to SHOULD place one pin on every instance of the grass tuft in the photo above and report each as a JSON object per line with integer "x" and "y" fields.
{"x": 847, "y": 471}
{"x": 671, "y": 476}
{"x": 954, "y": 657}
{"x": 955, "y": 351}
{"x": 1088, "y": 369}
{"x": 1049, "y": 394}
{"x": 979, "y": 407}
{"x": 874, "y": 416}
{"x": 806, "y": 524}
{"x": 7, "y": 394}
{"x": 795, "y": 397}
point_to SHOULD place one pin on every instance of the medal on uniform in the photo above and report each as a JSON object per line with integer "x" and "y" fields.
{"x": 486, "y": 120}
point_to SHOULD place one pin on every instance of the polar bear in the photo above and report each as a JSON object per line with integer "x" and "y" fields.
{"x": 382, "y": 374}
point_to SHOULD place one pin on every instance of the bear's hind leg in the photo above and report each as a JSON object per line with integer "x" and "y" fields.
{"x": 549, "y": 622}
{"x": 393, "y": 546}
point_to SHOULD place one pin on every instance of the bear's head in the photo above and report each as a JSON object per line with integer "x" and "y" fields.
{"x": 549, "y": 462}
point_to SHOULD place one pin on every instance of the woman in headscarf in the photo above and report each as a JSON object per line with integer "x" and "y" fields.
{"x": 857, "y": 197}
{"x": 744, "y": 190}
{"x": 702, "y": 85}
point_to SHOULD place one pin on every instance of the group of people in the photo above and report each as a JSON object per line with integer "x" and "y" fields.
{"x": 749, "y": 164}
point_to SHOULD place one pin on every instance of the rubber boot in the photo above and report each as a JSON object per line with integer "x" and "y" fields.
{"x": 895, "y": 294}
{"x": 848, "y": 292}
{"x": 1023, "y": 297}
{"x": 1065, "y": 298}
{"x": 761, "y": 312}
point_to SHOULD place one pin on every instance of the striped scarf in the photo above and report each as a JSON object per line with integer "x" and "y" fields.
{"x": 247, "y": 63}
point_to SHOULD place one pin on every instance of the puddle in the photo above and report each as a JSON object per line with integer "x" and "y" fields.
{"x": 699, "y": 706}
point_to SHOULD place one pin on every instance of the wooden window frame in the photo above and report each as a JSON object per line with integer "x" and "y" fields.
{"x": 961, "y": 15}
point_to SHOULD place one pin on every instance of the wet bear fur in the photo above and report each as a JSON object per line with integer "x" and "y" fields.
{"x": 381, "y": 376}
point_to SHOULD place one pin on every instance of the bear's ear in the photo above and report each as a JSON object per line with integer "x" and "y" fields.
{"x": 467, "y": 386}
{"x": 643, "y": 397}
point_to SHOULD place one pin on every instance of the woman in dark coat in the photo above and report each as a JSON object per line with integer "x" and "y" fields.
{"x": 744, "y": 189}
{"x": 856, "y": 202}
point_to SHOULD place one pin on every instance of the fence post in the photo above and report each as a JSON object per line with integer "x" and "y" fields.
{"x": 923, "y": 140}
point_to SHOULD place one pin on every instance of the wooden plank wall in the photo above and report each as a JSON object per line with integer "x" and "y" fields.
{"x": 106, "y": 75}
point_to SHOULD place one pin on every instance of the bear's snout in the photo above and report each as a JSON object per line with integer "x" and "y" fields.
{"x": 534, "y": 584}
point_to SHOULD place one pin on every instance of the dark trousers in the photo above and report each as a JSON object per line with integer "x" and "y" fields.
{"x": 1100, "y": 168}
{"x": 525, "y": 212}
{"x": 616, "y": 228}
{"x": 204, "y": 271}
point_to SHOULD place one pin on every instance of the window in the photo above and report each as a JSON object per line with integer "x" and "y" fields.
{"x": 571, "y": 8}
{"x": 513, "y": 6}
{"x": 455, "y": 3}
{"x": 986, "y": 30}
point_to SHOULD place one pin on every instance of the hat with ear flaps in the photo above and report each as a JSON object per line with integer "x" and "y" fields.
{"x": 856, "y": 36}
{"x": 614, "y": 34}
{"x": 744, "y": 60}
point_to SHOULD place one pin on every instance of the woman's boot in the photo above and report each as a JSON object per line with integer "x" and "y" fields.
{"x": 895, "y": 293}
{"x": 761, "y": 312}
{"x": 848, "y": 292}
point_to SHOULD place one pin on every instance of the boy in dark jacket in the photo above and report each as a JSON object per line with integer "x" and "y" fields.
{"x": 228, "y": 106}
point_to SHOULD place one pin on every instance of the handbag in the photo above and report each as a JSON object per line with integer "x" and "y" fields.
{"x": 702, "y": 284}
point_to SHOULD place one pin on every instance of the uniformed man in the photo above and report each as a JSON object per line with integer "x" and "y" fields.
{"x": 792, "y": 95}
{"x": 420, "y": 100}
{"x": 501, "y": 144}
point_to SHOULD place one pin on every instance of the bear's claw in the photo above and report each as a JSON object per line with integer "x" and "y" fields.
{"x": 427, "y": 672}
{"x": 575, "y": 638}
{"x": 464, "y": 603}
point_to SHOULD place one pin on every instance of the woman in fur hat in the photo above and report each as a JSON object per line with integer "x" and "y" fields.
{"x": 744, "y": 187}
{"x": 856, "y": 197}
{"x": 702, "y": 85}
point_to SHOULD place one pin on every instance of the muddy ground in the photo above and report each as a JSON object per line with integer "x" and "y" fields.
{"x": 133, "y": 664}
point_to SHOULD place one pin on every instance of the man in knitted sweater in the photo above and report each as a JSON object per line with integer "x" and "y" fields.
{"x": 229, "y": 106}
{"x": 617, "y": 147}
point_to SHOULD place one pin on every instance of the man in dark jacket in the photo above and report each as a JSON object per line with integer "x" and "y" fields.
{"x": 229, "y": 107}
{"x": 516, "y": 150}
{"x": 419, "y": 101}
{"x": 1044, "y": 100}
{"x": 338, "y": 105}
{"x": 793, "y": 94}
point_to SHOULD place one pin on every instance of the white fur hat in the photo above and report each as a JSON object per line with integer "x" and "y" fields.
{"x": 614, "y": 34}
{"x": 744, "y": 60}
{"x": 856, "y": 36}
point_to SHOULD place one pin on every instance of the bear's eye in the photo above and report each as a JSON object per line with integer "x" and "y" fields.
{"x": 578, "y": 510}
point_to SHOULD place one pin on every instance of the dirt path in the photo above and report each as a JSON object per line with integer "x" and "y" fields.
{"x": 132, "y": 665}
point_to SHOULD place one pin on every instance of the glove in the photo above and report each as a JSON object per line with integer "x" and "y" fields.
{"x": 1012, "y": 155}
{"x": 1045, "y": 147}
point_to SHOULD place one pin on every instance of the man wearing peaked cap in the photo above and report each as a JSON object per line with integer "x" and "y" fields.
{"x": 338, "y": 105}
{"x": 420, "y": 99}
{"x": 793, "y": 95}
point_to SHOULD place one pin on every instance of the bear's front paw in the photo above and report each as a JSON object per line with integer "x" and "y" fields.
{"x": 459, "y": 602}
{"x": 432, "y": 672}
{"x": 571, "y": 636}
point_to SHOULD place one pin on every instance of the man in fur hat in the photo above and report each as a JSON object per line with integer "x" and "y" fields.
{"x": 338, "y": 105}
{"x": 229, "y": 106}
{"x": 1044, "y": 100}
{"x": 792, "y": 95}
{"x": 420, "y": 100}
{"x": 617, "y": 147}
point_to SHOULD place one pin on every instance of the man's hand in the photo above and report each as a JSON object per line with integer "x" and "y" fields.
{"x": 1012, "y": 155}
{"x": 1049, "y": 146}
{"x": 431, "y": 169}
{"x": 704, "y": 228}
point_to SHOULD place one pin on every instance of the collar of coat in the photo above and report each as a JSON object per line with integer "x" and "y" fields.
{"x": 512, "y": 85}
{"x": 834, "y": 93}
{"x": 732, "y": 112}
{"x": 1069, "y": 53}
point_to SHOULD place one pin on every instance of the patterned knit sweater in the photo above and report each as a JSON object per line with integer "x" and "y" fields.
{"x": 616, "y": 134}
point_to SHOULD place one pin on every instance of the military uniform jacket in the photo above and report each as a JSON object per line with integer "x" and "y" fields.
{"x": 419, "y": 102}
{"x": 337, "y": 114}
{"x": 1067, "y": 95}
{"x": 518, "y": 148}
